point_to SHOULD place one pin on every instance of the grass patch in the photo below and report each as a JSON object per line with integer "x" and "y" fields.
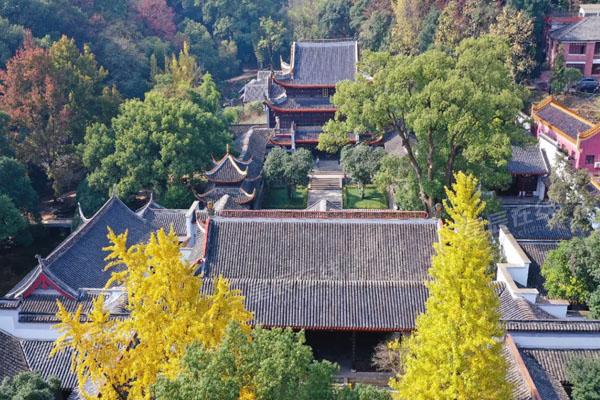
{"x": 277, "y": 198}
{"x": 374, "y": 198}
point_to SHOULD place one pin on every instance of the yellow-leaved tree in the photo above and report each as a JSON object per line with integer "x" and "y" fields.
{"x": 456, "y": 351}
{"x": 122, "y": 358}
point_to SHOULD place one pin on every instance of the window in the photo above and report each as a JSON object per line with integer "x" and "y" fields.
{"x": 325, "y": 92}
{"x": 580, "y": 67}
{"x": 577, "y": 48}
{"x": 597, "y": 48}
{"x": 589, "y": 159}
{"x": 595, "y": 69}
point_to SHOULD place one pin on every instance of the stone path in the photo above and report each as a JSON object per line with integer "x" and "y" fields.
{"x": 325, "y": 186}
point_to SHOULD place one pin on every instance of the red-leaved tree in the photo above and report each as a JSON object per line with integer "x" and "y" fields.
{"x": 158, "y": 17}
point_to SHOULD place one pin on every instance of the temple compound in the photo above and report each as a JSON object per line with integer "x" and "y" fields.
{"x": 351, "y": 279}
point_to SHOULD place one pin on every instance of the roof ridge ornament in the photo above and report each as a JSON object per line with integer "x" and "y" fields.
{"x": 82, "y": 216}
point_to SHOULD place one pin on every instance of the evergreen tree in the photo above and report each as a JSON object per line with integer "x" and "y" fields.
{"x": 456, "y": 351}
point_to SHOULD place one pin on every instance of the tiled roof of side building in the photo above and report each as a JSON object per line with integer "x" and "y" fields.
{"x": 520, "y": 388}
{"x": 555, "y": 325}
{"x": 228, "y": 170}
{"x": 303, "y": 103}
{"x": 527, "y": 159}
{"x": 562, "y": 118}
{"x": 530, "y": 221}
{"x": 320, "y": 249}
{"x": 556, "y": 361}
{"x": 324, "y": 62}
{"x": 588, "y": 29}
{"x": 79, "y": 261}
{"x": 548, "y": 387}
{"x": 166, "y": 218}
{"x": 12, "y": 358}
{"x": 537, "y": 251}
{"x": 37, "y": 354}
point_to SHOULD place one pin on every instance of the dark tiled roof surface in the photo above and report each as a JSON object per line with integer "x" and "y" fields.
{"x": 527, "y": 159}
{"x": 531, "y": 222}
{"x": 537, "y": 252}
{"x": 324, "y": 62}
{"x": 79, "y": 262}
{"x": 546, "y": 383}
{"x": 519, "y": 309}
{"x": 556, "y": 361}
{"x": 12, "y": 359}
{"x": 520, "y": 388}
{"x": 37, "y": 353}
{"x": 563, "y": 120}
{"x": 320, "y": 304}
{"x": 321, "y": 249}
{"x": 553, "y": 326}
{"x": 167, "y": 218}
{"x": 228, "y": 170}
{"x": 588, "y": 29}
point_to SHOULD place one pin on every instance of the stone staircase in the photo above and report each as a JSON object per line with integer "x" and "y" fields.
{"x": 320, "y": 182}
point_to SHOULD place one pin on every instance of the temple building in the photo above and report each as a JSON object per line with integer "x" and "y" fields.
{"x": 319, "y": 271}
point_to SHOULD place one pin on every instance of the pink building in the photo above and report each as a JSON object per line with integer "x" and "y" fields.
{"x": 579, "y": 40}
{"x": 562, "y": 132}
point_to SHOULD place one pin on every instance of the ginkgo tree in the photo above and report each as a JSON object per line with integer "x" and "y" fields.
{"x": 121, "y": 358}
{"x": 456, "y": 352}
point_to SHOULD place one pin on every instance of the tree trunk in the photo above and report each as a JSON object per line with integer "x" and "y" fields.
{"x": 289, "y": 191}
{"x": 361, "y": 186}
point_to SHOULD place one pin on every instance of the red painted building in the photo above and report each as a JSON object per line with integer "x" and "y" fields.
{"x": 578, "y": 38}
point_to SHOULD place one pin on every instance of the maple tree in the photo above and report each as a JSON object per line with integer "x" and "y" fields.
{"x": 167, "y": 313}
{"x": 456, "y": 352}
{"x": 158, "y": 16}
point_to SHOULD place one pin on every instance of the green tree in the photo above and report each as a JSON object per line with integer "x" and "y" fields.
{"x": 12, "y": 222}
{"x": 361, "y": 163}
{"x": 456, "y": 350}
{"x": 518, "y": 29}
{"x": 563, "y": 78}
{"x": 15, "y": 183}
{"x": 289, "y": 169}
{"x": 572, "y": 270}
{"x": 272, "y": 37}
{"x": 89, "y": 199}
{"x": 304, "y": 19}
{"x": 334, "y": 19}
{"x": 395, "y": 173}
{"x": 363, "y": 392}
{"x": 409, "y": 16}
{"x": 30, "y": 386}
{"x": 271, "y": 364}
{"x": 569, "y": 191}
{"x": 427, "y": 34}
{"x": 157, "y": 142}
{"x": 464, "y": 19}
{"x": 11, "y": 37}
{"x": 584, "y": 375}
{"x": 469, "y": 127}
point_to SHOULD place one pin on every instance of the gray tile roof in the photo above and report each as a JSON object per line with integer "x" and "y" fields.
{"x": 321, "y": 249}
{"x": 527, "y": 160}
{"x": 37, "y": 354}
{"x": 79, "y": 262}
{"x": 588, "y": 29}
{"x": 518, "y": 309}
{"x": 228, "y": 170}
{"x": 530, "y": 221}
{"x": 521, "y": 390}
{"x": 545, "y": 382}
{"x": 563, "y": 120}
{"x": 294, "y": 103}
{"x": 336, "y": 305}
{"x": 324, "y": 62}
{"x": 167, "y": 218}
{"x": 12, "y": 358}
{"x": 555, "y": 325}
{"x": 537, "y": 252}
{"x": 556, "y": 361}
